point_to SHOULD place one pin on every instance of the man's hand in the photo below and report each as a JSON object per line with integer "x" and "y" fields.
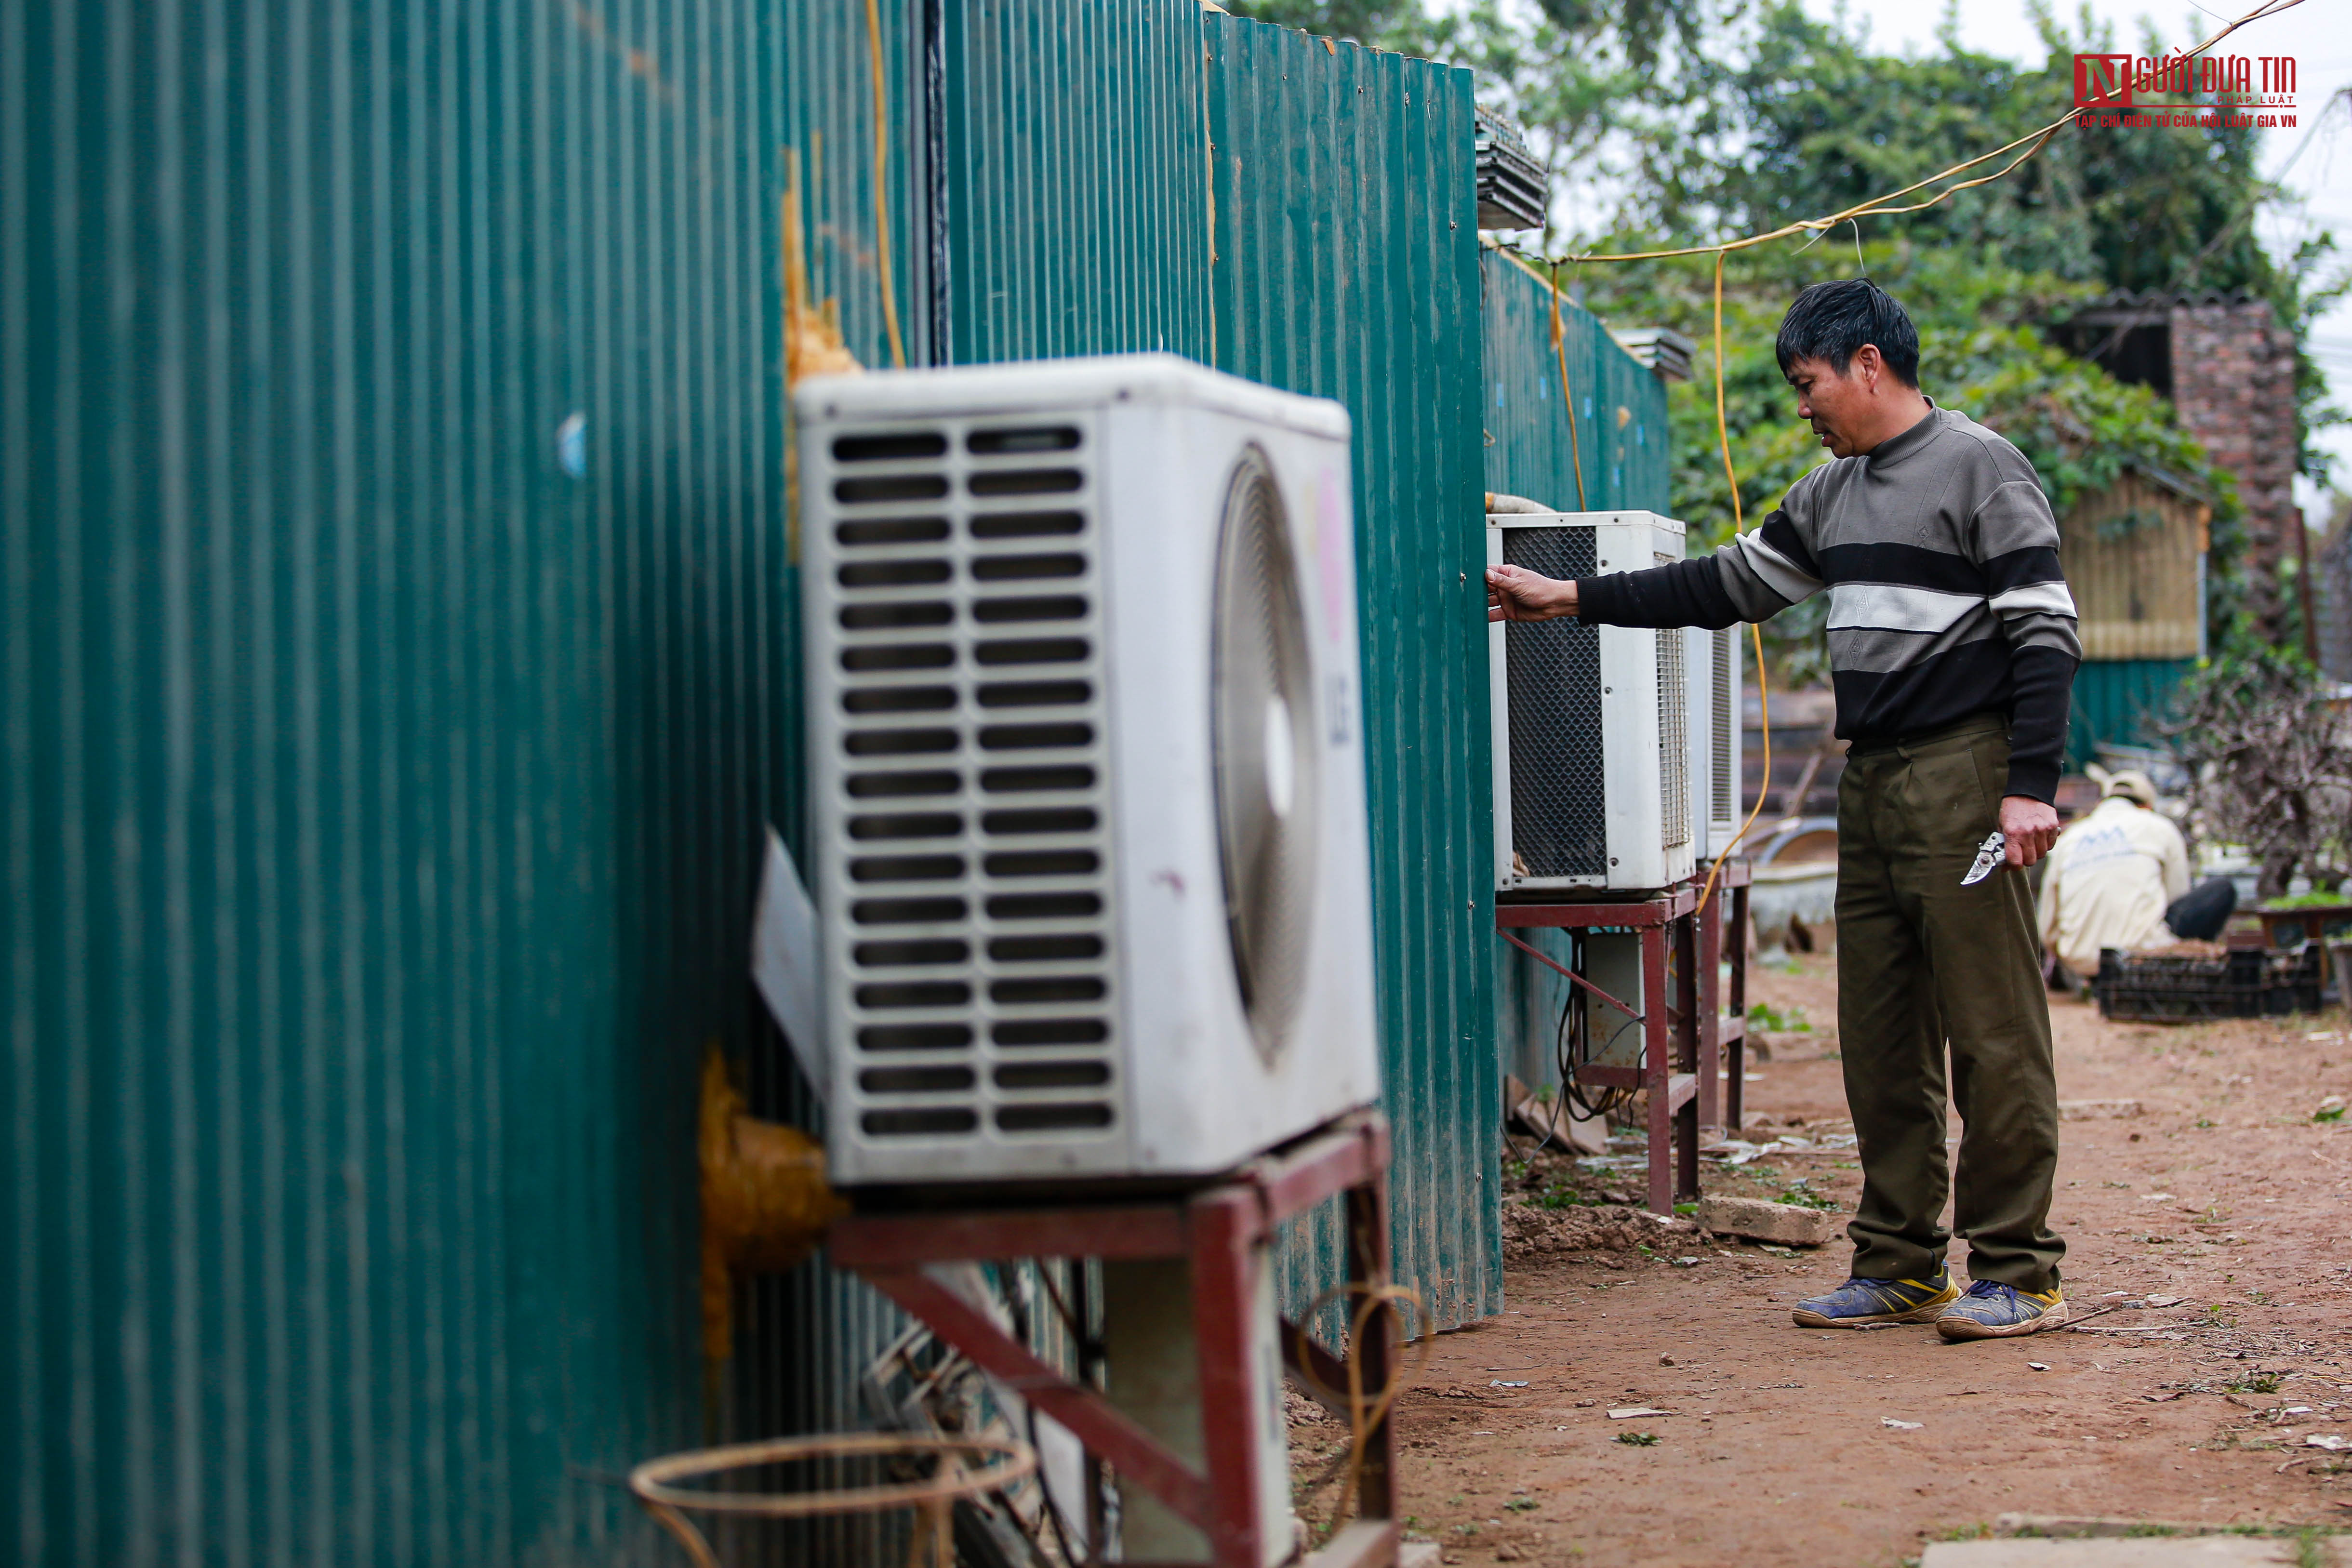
{"x": 2030, "y": 825}
{"x": 1516, "y": 594}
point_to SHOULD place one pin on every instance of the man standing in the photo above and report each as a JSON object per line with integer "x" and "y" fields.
{"x": 1952, "y": 650}
{"x": 2119, "y": 878}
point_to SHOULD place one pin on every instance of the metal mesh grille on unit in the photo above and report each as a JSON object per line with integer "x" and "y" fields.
{"x": 1673, "y": 738}
{"x": 1673, "y": 730}
{"x": 1268, "y": 766}
{"x": 1558, "y": 785}
{"x": 1723, "y": 737}
{"x": 978, "y": 990}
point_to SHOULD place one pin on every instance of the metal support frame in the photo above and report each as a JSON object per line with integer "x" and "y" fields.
{"x": 1218, "y": 1229}
{"x": 1727, "y": 923}
{"x": 1683, "y": 1037}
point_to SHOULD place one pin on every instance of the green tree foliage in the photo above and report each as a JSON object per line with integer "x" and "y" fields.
{"x": 1824, "y": 124}
{"x": 1591, "y": 81}
{"x": 1730, "y": 117}
{"x": 1829, "y": 123}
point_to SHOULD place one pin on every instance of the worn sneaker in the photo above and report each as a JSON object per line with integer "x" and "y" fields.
{"x": 1862, "y": 1303}
{"x": 1992, "y": 1310}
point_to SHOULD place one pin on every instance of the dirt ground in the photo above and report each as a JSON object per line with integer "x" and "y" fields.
{"x": 1778, "y": 1444}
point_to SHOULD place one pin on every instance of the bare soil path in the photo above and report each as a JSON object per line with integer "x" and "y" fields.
{"x": 1779, "y": 1446}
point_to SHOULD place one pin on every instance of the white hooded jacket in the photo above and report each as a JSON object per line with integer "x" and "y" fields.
{"x": 2111, "y": 875}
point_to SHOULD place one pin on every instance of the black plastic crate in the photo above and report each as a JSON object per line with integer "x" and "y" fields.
{"x": 2245, "y": 983}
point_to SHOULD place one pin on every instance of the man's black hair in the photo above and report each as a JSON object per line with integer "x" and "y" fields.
{"x": 1830, "y": 321}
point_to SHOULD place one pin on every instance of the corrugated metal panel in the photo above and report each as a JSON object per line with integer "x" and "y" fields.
{"x": 1077, "y": 183}
{"x": 1620, "y": 407}
{"x": 1347, "y": 267}
{"x": 1626, "y": 464}
{"x": 804, "y": 1341}
{"x": 2116, "y": 702}
{"x": 2133, "y": 555}
{"x": 383, "y": 803}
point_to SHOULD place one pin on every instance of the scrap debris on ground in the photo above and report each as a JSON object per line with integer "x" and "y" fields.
{"x": 1644, "y": 1399}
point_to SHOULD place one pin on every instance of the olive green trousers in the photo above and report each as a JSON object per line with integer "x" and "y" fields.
{"x": 1925, "y": 965}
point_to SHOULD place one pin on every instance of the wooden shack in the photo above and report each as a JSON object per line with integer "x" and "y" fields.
{"x": 2133, "y": 554}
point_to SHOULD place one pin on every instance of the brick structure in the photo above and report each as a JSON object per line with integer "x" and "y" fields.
{"x": 2228, "y": 365}
{"x": 2233, "y": 390}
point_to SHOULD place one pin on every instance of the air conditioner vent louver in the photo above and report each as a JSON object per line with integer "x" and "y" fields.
{"x": 1512, "y": 186}
{"x": 972, "y": 757}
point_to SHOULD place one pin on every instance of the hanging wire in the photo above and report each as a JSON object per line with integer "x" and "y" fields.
{"x": 1755, "y": 629}
{"x": 1567, "y": 394}
{"x": 1366, "y": 1410}
{"x": 1875, "y": 207}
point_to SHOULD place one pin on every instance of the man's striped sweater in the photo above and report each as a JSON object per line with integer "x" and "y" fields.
{"x": 1940, "y": 556}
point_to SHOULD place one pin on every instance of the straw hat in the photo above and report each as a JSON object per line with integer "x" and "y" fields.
{"x": 2130, "y": 783}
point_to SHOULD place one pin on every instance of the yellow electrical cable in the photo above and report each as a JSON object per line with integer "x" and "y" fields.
{"x": 1866, "y": 210}
{"x": 1738, "y": 516}
{"x": 882, "y": 185}
{"x": 1755, "y": 630}
{"x": 1365, "y": 1412}
{"x": 1560, "y": 347}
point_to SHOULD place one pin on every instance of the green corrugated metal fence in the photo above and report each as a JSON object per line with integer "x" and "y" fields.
{"x": 1620, "y": 407}
{"x": 398, "y": 648}
{"x": 1077, "y": 187}
{"x": 2119, "y": 701}
{"x": 1347, "y": 267}
{"x": 1620, "y": 414}
{"x": 803, "y": 1339}
{"x": 382, "y": 800}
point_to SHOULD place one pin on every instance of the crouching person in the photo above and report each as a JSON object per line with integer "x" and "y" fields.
{"x": 2119, "y": 878}
{"x": 1952, "y": 650}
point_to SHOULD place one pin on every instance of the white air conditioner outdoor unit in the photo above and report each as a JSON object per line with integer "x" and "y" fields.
{"x": 1086, "y": 766}
{"x": 1712, "y": 664}
{"x": 1591, "y": 744}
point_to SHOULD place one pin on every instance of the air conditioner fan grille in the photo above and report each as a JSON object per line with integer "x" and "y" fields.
{"x": 1267, "y": 756}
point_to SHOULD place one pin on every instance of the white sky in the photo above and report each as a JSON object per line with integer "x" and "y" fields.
{"x": 2317, "y": 32}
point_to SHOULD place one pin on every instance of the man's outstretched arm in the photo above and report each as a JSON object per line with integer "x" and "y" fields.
{"x": 1516, "y": 594}
{"x": 1752, "y": 578}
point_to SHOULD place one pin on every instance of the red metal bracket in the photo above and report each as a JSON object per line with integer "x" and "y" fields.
{"x": 1549, "y": 962}
{"x": 897, "y": 1241}
{"x": 1680, "y": 1049}
{"x": 1094, "y": 1421}
{"x": 1631, "y": 915}
{"x": 1219, "y": 1229}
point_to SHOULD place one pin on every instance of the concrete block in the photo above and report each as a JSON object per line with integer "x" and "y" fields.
{"x": 1760, "y": 1221}
{"x": 2096, "y": 1109}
